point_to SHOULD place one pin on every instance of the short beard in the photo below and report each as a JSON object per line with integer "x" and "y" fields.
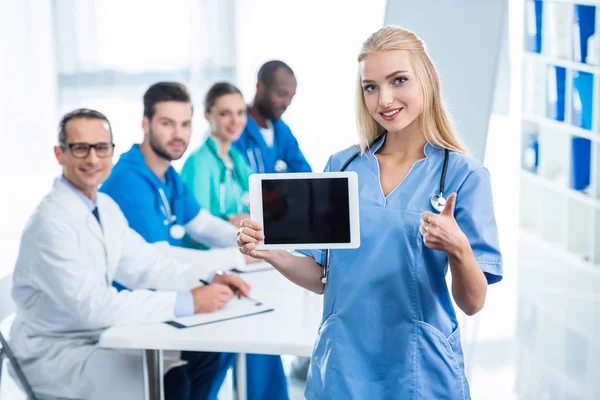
{"x": 265, "y": 108}
{"x": 159, "y": 150}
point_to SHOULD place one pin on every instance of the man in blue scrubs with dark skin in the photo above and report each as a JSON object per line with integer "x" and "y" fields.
{"x": 267, "y": 142}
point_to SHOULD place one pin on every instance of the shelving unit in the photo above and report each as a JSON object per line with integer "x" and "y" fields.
{"x": 559, "y": 270}
{"x": 560, "y": 183}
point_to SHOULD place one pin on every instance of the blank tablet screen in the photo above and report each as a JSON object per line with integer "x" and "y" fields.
{"x": 306, "y": 210}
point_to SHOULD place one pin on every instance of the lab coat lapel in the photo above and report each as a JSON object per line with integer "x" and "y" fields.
{"x": 80, "y": 213}
{"x": 94, "y": 226}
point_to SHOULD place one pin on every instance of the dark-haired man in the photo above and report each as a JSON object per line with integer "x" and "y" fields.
{"x": 267, "y": 142}
{"x": 150, "y": 192}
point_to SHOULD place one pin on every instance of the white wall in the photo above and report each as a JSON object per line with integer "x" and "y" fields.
{"x": 320, "y": 41}
{"x": 27, "y": 117}
{"x": 464, "y": 39}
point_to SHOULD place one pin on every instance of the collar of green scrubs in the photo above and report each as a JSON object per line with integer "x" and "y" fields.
{"x": 214, "y": 147}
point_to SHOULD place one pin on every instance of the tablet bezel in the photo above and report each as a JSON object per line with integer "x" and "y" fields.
{"x": 256, "y": 210}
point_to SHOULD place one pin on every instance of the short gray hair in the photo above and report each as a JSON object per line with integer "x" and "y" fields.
{"x": 79, "y": 113}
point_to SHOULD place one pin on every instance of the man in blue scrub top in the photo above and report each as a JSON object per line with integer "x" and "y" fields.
{"x": 267, "y": 142}
{"x": 159, "y": 207}
{"x": 151, "y": 194}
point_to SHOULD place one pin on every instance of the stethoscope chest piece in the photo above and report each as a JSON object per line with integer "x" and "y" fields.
{"x": 280, "y": 166}
{"x": 177, "y": 231}
{"x": 438, "y": 202}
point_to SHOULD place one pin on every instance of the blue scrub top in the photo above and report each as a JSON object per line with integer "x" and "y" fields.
{"x": 389, "y": 328}
{"x": 263, "y": 158}
{"x": 135, "y": 188}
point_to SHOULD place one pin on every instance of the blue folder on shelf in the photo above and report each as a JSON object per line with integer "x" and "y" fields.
{"x": 585, "y": 26}
{"x": 533, "y": 29}
{"x": 582, "y": 116}
{"x": 555, "y": 92}
{"x": 581, "y": 152}
{"x": 583, "y": 100}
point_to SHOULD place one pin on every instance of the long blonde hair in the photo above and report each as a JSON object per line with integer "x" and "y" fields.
{"x": 434, "y": 121}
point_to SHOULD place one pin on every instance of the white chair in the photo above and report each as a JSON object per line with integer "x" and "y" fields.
{"x": 7, "y": 309}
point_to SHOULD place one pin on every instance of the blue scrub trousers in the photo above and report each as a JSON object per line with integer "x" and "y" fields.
{"x": 194, "y": 380}
{"x": 265, "y": 377}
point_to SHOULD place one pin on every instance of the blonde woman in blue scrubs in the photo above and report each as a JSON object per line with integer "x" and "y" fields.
{"x": 389, "y": 328}
{"x": 217, "y": 175}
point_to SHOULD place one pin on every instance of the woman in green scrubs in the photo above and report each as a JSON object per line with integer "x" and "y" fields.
{"x": 217, "y": 175}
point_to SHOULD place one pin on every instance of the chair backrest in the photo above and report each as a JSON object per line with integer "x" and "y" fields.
{"x": 7, "y": 306}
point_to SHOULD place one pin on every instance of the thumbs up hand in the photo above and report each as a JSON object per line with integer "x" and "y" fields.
{"x": 441, "y": 231}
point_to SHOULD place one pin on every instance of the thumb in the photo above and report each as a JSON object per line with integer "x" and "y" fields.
{"x": 449, "y": 208}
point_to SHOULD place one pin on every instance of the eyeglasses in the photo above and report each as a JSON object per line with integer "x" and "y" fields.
{"x": 81, "y": 150}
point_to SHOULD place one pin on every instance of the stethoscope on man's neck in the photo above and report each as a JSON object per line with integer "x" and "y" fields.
{"x": 255, "y": 156}
{"x": 176, "y": 231}
{"x": 438, "y": 202}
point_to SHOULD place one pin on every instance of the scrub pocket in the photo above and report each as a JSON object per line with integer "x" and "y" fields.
{"x": 440, "y": 365}
{"x": 323, "y": 359}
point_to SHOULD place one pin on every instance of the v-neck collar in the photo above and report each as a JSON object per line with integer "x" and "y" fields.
{"x": 373, "y": 151}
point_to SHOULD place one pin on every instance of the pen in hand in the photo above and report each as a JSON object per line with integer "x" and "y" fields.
{"x": 237, "y": 292}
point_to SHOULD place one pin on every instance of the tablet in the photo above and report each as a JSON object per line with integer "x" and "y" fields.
{"x": 306, "y": 210}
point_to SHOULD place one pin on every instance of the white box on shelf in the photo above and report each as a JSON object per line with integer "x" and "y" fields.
{"x": 554, "y": 151}
{"x": 580, "y": 236}
{"x": 556, "y": 32}
{"x": 534, "y": 87}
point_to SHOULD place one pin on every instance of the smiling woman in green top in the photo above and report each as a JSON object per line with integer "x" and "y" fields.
{"x": 216, "y": 173}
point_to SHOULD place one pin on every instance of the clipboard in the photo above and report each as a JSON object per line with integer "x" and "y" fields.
{"x": 236, "y": 308}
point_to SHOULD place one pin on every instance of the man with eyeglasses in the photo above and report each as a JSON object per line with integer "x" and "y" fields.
{"x": 74, "y": 245}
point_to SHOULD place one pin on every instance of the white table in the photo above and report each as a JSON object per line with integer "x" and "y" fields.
{"x": 290, "y": 329}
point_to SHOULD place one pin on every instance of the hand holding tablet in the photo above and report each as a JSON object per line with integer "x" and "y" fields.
{"x": 303, "y": 211}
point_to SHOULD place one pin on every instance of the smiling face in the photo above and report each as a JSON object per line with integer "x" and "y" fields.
{"x": 86, "y": 173}
{"x": 274, "y": 99}
{"x": 227, "y": 117}
{"x": 391, "y": 91}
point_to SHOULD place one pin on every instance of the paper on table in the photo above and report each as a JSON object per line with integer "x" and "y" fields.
{"x": 236, "y": 308}
{"x": 253, "y": 267}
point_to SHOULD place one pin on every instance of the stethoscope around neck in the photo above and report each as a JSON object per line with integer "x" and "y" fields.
{"x": 176, "y": 231}
{"x": 228, "y": 173}
{"x": 256, "y": 160}
{"x": 437, "y": 200}
{"x": 222, "y": 189}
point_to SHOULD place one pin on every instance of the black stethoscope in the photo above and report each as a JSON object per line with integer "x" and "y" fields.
{"x": 438, "y": 202}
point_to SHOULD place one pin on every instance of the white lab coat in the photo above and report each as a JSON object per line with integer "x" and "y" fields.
{"x": 64, "y": 298}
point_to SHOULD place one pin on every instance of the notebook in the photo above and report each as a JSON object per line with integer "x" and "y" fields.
{"x": 236, "y": 308}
